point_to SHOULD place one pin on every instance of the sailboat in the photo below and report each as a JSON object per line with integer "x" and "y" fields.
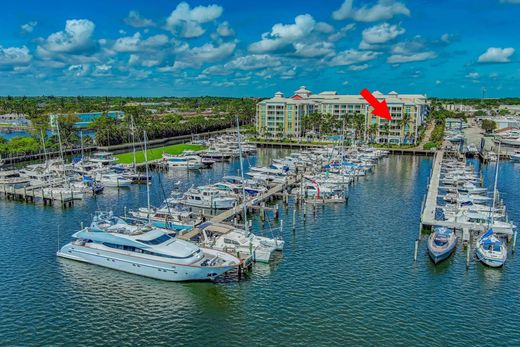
{"x": 490, "y": 250}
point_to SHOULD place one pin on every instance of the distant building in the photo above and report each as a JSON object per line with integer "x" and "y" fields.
{"x": 459, "y": 107}
{"x": 283, "y": 115}
{"x": 85, "y": 119}
{"x": 455, "y": 124}
{"x": 505, "y": 122}
{"x": 14, "y": 119}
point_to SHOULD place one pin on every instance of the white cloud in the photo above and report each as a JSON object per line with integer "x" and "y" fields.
{"x": 379, "y": 34}
{"x": 358, "y": 67}
{"x": 341, "y": 33}
{"x": 79, "y": 70}
{"x": 75, "y": 39}
{"x": 410, "y": 51}
{"x": 473, "y": 75}
{"x": 197, "y": 56}
{"x": 412, "y": 57}
{"x": 225, "y": 30}
{"x": 136, "y": 44}
{"x": 323, "y": 27}
{"x": 135, "y": 20}
{"x": 447, "y": 38}
{"x": 496, "y": 55}
{"x": 383, "y": 10}
{"x": 352, "y": 56}
{"x": 253, "y": 62}
{"x": 438, "y": 82}
{"x": 314, "y": 50}
{"x": 14, "y": 56}
{"x": 28, "y": 27}
{"x": 186, "y": 22}
{"x": 283, "y": 35}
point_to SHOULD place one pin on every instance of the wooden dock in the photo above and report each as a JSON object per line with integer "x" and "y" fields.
{"x": 36, "y": 193}
{"x": 428, "y": 219}
{"x": 428, "y": 213}
{"x": 256, "y": 202}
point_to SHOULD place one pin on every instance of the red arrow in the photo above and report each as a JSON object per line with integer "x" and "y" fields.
{"x": 380, "y": 108}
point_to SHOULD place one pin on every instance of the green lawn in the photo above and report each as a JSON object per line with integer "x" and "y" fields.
{"x": 156, "y": 153}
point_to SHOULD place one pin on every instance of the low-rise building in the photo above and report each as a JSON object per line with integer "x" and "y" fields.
{"x": 283, "y": 115}
{"x": 14, "y": 119}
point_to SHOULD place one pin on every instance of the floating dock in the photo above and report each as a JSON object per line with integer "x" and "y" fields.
{"x": 428, "y": 219}
{"x": 36, "y": 193}
{"x": 257, "y": 202}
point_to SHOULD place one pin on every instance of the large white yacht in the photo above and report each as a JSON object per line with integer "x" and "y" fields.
{"x": 144, "y": 250}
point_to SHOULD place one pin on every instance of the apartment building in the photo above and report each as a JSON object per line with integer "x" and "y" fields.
{"x": 283, "y": 115}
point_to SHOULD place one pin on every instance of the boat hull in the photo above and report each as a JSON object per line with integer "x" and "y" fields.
{"x": 491, "y": 262}
{"x": 142, "y": 267}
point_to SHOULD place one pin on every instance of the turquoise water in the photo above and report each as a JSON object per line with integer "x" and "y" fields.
{"x": 346, "y": 277}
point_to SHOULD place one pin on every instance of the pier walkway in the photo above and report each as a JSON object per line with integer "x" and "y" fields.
{"x": 37, "y": 192}
{"x": 291, "y": 181}
{"x": 428, "y": 213}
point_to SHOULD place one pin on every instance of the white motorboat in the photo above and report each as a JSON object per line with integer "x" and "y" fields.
{"x": 237, "y": 241}
{"x": 207, "y": 197}
{"x": 191, "y": 162}
{"x": 103, "y": 158}
{"x": 113, "y": 180}
{"x": 168, "y": 217}
{"x": 146, "y": 251}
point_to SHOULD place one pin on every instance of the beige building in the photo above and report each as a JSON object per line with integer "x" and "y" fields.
{"x": 283, "y": 115}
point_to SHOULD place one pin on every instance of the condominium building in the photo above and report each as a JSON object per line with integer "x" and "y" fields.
{"x": 283, "y": 115}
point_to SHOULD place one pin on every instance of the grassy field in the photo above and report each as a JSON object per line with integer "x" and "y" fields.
{"x": 156, "y": 153}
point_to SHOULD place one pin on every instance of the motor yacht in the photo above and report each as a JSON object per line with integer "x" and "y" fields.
{"x": 146, "y": 251}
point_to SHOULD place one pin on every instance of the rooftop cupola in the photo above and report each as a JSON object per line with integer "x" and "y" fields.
{"x": 278, "y": 95}
{"x": 303, "y": 92}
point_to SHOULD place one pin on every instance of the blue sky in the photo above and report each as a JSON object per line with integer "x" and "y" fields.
{"x": 254, "y": 48}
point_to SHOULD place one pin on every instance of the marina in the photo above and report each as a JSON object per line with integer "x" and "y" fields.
{"x": 381, "y": 269}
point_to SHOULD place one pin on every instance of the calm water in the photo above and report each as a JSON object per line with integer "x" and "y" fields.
{"x": 346, "y": 277}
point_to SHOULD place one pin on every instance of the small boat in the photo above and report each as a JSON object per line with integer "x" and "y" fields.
{"x": 207, "y": 197}
{"x": 229, "y": 239}
{"x": 441, "y": 244}
{"x": 113, "y": 180}
{"x": 191, "y": 162}
{"x": 103, "y": 158}
{"x": 169, "y": 218}
{"x": 490, "y": 250}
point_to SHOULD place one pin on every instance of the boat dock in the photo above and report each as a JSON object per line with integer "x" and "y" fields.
{"x": 37, "y": 193}
{"x": 255, "y": 203}
{"x": 428, "y": 213}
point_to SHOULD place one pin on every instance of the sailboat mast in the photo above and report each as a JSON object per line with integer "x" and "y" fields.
{"x": 61, "y": 149}
{"x": 244, "y": 203}
{"x": 133, "y": 139}
{"x": 44, "y": 147}
{"x": 81, "y": 140}
{"x": 147, "y": 176}
{"x": 495, "y": 186}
